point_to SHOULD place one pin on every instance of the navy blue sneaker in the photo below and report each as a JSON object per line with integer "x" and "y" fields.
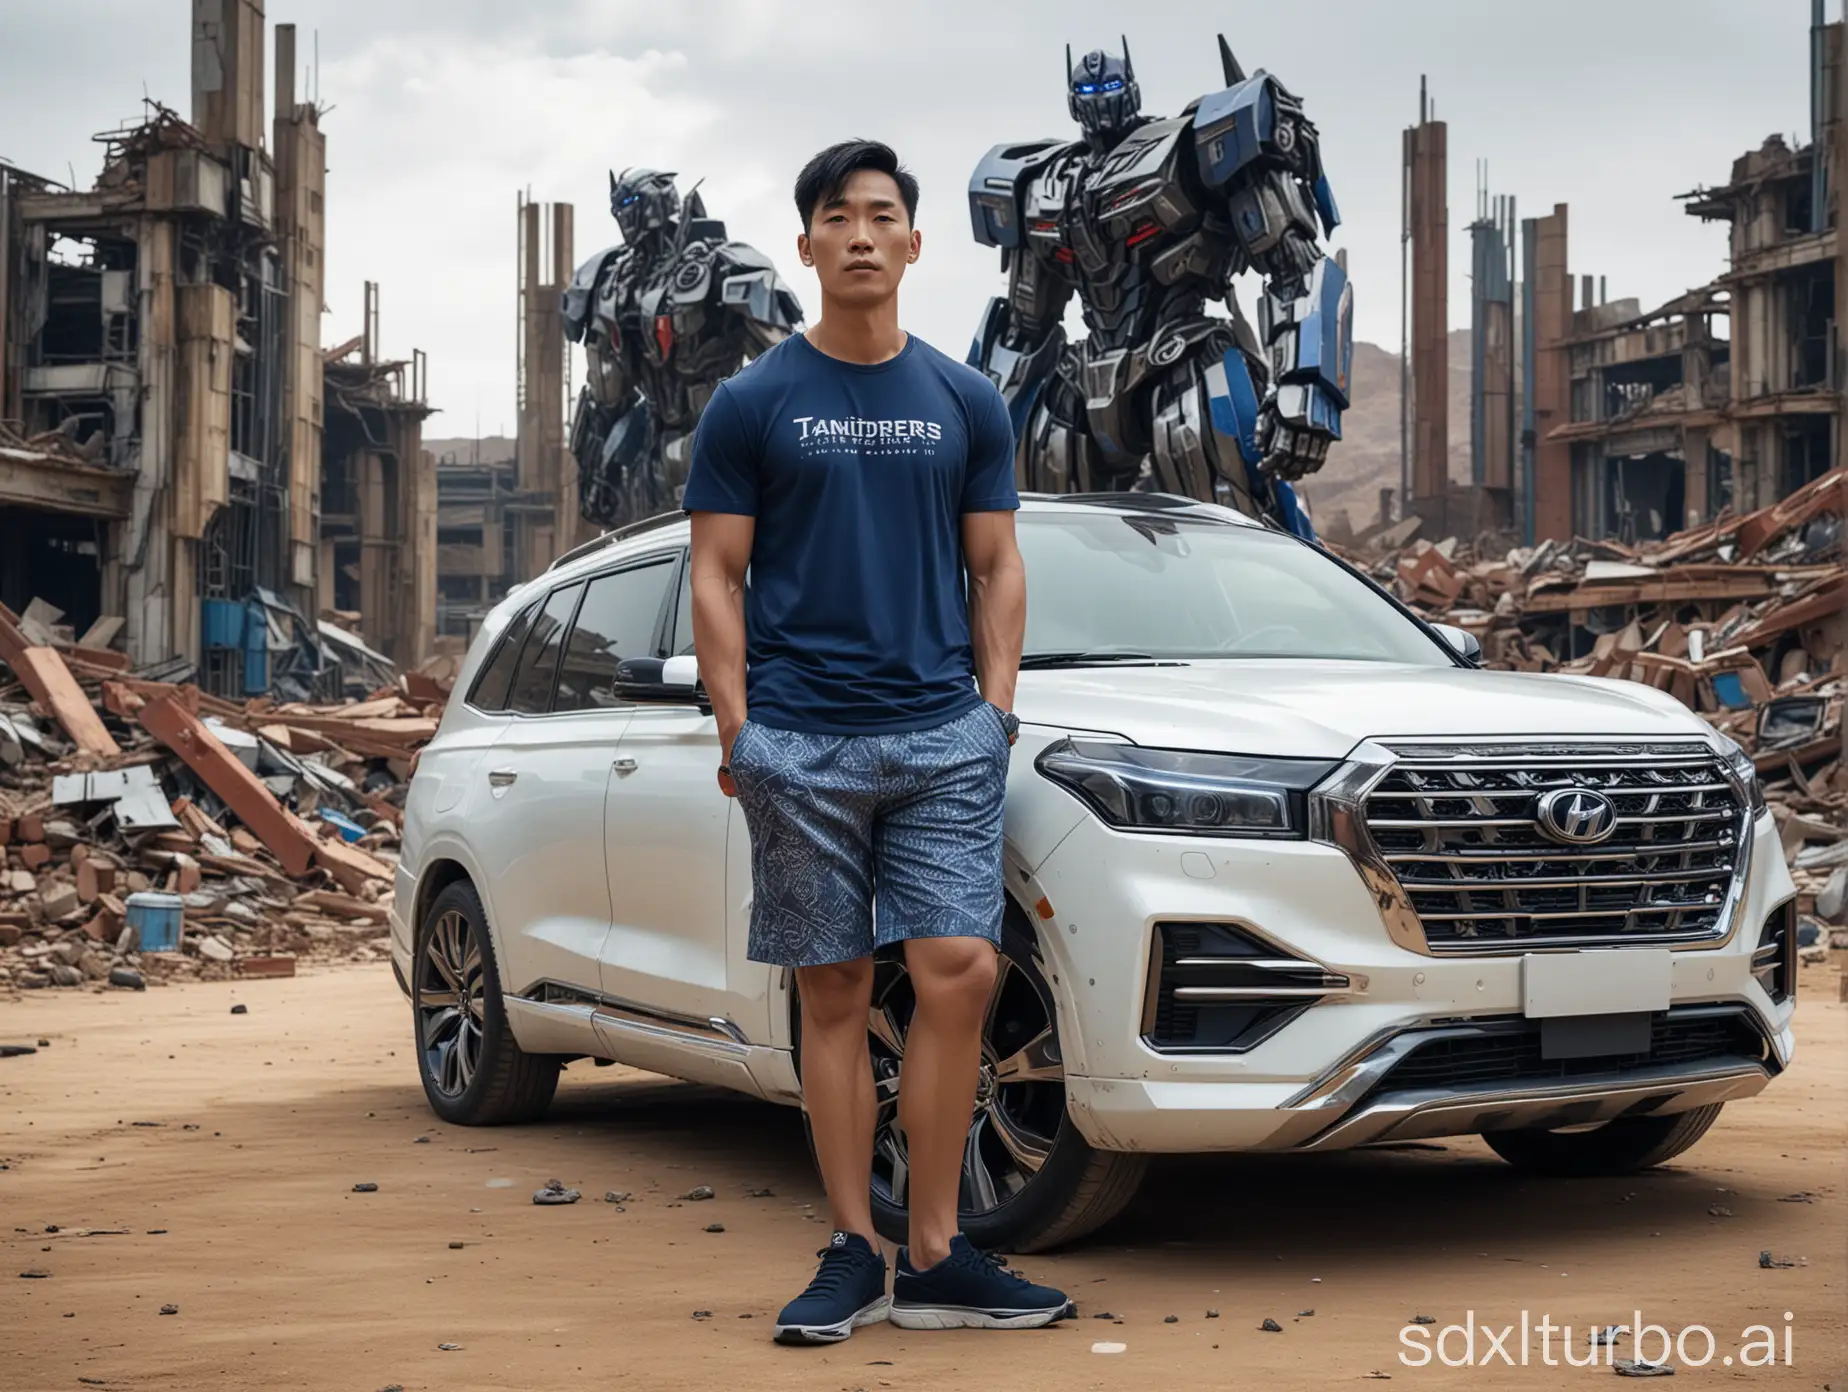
{"x": 971, "y": 1289}
{"x": 849, "y": 1290}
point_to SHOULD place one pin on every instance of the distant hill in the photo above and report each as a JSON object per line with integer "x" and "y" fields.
{"x": 494, "y": 448}
{"x": 1367, "y": 457}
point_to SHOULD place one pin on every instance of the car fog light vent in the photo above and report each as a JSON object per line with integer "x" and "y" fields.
{"x": 1216, "y": 988}
{"x": 1774, "y": 960}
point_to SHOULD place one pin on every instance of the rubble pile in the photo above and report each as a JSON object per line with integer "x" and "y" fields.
{"x": 276, "y": 823}
{"x": 1741, "y": 620}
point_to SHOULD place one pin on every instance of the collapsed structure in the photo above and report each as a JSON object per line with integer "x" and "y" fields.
{"x": 1608, "y": 419}
{"x": 169, "y": 431}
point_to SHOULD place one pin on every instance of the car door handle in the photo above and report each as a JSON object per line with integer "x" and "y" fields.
{"x": 501, "y": 778}
{"x": 624, "y": 767}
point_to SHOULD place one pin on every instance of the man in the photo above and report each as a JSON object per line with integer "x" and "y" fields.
{"x": 859, "y": 474}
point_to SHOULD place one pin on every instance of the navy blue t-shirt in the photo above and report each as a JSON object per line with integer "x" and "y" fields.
{"x": 856, "y": 617}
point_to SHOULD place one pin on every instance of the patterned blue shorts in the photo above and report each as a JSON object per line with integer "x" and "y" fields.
{"x": 912, "y": 819}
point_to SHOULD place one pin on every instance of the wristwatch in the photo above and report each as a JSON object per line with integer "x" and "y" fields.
{"x": 1010, "y": 723}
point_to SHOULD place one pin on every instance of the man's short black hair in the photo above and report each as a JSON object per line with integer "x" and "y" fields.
{"x": 824, "y": 178}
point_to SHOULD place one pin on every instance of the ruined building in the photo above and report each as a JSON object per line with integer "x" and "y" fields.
{"x": 165, "y": 407}
{"x": 1604, "y": 418}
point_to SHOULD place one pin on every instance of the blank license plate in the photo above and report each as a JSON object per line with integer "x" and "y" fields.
{"x": 1614, "y": 982}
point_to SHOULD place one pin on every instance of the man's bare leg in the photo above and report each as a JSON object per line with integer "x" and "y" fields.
{"x": 837, "y": 1087}
{"x": 953, "y": 979}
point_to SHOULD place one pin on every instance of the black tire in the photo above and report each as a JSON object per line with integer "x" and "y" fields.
{"x": 473, "y": 1072}
{"x": 1074, "y": 1190}
{"x": 1617, "y": 1147}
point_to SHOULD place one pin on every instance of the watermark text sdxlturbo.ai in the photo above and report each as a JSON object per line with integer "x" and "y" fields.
{"x": 1478, "y": 1343}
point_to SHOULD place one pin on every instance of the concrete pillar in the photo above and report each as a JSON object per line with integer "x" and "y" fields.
{"x": 1428, "y": 216}
{"x": 1552, "y": 378}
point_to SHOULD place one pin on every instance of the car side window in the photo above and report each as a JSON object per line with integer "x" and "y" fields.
{"x": 682, "y": 643}
{"x": 496, "y": 679}
{"x": 618, "y": 619}
{"x": 532, "y": 683}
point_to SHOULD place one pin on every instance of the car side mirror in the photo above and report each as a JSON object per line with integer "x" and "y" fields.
{"x": 1461, "y": 641}
{"x": 654, "y": 680}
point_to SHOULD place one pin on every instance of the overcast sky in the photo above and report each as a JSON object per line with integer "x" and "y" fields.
{"x": 439, "y": 110}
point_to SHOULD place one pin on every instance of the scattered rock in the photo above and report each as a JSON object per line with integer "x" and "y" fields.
{"x": 703, "y": 1192}
{"x": 1719, "y": 1211}
{"x": 1637, "y": 1368}
{"x": 240, "y": 1009}
{"x": 702, "y": 1314}
{"x": 616, "y": 1196}
{"x": 1766, "y": 1261}
{"x": 1171, "y": 1319}
{"x": 555, "y": 1193}
{"x": 1802, "y": 1197}
{"x": 449, "y": 1348}
{"x": 1423, "y": 1319}
{"x": 1304, "y": 1314}
{"x": 213, "y": 949}
{"x": 1108, "y": 1348}
{"x": 420, "y": 1140}
{"x": 1103, "y": 1314}
{"x": 455, "y": 1246}
{"x": 1212, "y": 1314}
{"x": 715, "y": 1227}
{"x": 170, "y": 1309}
{"x": 1270, "y": 1326}
{"x": 127, "y": 978}
{"x": 1603, "y": 1338}
{"x": 366, "y": 1187}
{"x": 760, "y": 1193}
{"x": 35, "y": 1275}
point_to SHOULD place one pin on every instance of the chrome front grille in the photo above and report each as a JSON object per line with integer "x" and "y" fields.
{"x": 1458, "y": 829}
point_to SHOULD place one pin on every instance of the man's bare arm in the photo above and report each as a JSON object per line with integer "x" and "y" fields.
{"x": 721, "y": 555}
{"x": 997, "y": 602}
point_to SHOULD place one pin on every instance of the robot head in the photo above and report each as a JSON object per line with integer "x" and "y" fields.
{"x": 642, "y": 200}
{"x": 1102, "y": 95}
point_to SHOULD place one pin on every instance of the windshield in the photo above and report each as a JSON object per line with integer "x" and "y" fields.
{"x": 1170, "y": 587}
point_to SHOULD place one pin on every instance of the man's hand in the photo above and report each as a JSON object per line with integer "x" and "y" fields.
{"x": 727, "y": 738}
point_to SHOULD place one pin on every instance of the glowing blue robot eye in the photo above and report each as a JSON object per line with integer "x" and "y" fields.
{"x": 628, "y": 200}
{"x": 1113, "y": 84}
{"x": 1086, "y": 87}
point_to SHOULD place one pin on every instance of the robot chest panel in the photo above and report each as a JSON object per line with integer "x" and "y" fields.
{"x": 1128, "y": 202}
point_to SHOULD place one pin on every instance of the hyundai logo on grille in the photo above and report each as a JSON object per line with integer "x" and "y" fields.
{"x": 1577, "y": 816}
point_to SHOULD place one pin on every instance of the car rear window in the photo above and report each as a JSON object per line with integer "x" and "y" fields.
{"x": 496, "y": 679}
{"x": 532, "y": 683}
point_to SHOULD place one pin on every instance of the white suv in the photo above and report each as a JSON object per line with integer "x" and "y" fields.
{"x": 1286, "y": 871}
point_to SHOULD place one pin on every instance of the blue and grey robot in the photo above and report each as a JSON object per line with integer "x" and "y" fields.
{"x": 1147, "y": 220}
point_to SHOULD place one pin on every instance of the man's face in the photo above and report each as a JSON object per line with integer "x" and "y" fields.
{"x": 861, "y": 242}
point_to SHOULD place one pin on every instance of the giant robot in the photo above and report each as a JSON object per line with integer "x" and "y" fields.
{"x": 664, "y": 318}
{"x": 1146, "y": 220}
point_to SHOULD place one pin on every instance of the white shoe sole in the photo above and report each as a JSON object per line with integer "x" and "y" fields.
{"x": 833, "y": 1333}
{"x": 959, "y": 1317}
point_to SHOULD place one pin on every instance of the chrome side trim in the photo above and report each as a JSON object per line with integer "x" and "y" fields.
{"x": 715, "y": 1034}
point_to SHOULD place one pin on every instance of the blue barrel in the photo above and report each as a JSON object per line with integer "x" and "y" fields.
{"x": 158, "y": 919}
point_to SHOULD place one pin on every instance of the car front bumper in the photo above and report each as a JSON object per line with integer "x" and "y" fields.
{"x": 1319, "y": 1081}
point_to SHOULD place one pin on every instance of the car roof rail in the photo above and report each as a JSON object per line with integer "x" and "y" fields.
{"x": 610, "y": 538}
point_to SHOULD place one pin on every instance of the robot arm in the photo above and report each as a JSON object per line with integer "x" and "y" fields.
{"x": 1019, "y": 340}
{"x": 750, "y": 288}
{"x": 1259, "y": 150}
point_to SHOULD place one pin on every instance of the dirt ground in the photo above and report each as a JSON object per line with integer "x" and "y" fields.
{"x": 195, "y": 1158}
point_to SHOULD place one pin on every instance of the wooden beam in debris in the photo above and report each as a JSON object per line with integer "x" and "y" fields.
{"x": 225, "y": 774}
{"x": 44, "y": 675}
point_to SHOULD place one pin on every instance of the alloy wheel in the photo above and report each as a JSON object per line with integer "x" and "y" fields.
{"x": 450, "y": 1007}
{"x": 1020, "y": 1091}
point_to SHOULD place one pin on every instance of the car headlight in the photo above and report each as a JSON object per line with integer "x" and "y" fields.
{"x": 1741, "y": 764}
{"x": 1180, "y": 790}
